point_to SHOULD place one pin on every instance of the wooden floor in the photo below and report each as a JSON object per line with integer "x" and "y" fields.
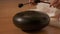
{"x": 8, "y": 8}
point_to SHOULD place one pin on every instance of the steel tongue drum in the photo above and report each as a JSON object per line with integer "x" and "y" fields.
{"x": 31, "y": 21}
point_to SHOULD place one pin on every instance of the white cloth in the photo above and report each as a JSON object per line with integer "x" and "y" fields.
{"x": 44, "y": 7}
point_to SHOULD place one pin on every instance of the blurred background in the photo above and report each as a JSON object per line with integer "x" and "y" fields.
{"x": 8, "y": 8}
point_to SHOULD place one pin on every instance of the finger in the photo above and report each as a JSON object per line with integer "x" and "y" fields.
{"x": 52, "y": 2}
{"x": 58, "y": 6}
{"x": 57, "y": 3}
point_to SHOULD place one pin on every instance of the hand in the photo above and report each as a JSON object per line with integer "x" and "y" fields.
{"x": 55, "y": 3}
{"x": 32, "y": 2}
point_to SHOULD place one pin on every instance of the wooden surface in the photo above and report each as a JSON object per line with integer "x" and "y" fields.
{"x": 8, "y": 8}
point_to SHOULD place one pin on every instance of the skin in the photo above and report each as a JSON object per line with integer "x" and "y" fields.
{"x": 55, "y": 3}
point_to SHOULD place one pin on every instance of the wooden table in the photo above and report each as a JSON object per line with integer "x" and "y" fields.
{"x": 8, "y": 8}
